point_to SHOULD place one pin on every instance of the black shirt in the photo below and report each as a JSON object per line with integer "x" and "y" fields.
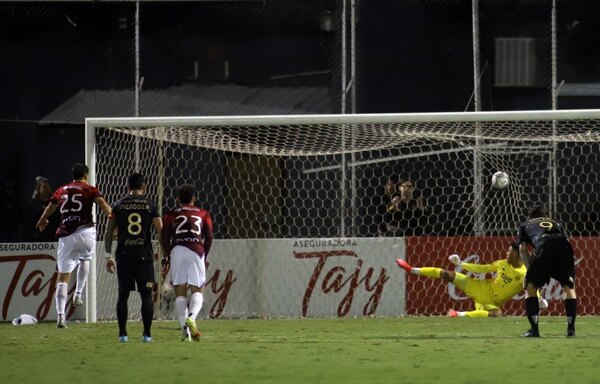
{"x": 537, "y": 231}
{"x": 134, "y": 215}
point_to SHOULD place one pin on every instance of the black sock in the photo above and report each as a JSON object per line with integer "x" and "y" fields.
{"x": 147, "y": 312}
{"x": 122, "y": 312}
{"x": 532, "y": 309}
{"x": 571, "y": 311}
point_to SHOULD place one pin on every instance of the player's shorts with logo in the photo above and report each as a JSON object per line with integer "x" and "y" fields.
{"x": 79, "y": 245}
{"x": 553, "y": 258}
{"x": 133, "y": 271}
{"x": 187, "y": 267}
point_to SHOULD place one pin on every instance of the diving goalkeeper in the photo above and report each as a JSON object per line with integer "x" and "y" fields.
{"x": 490, "y": 294}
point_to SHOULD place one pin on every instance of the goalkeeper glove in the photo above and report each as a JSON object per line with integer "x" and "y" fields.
{"x": 455, "y": 259}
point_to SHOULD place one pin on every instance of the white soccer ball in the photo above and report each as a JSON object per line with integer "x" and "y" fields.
{"x": 500, "y": 180}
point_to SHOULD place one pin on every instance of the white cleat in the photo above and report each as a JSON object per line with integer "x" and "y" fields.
{"x": 77, "y": 301}
{"x": 61, "y": 323}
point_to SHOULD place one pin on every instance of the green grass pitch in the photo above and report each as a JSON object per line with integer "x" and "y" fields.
{"x": 358, "y": 350}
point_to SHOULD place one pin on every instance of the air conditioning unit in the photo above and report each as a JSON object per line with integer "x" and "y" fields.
{"x": 516, "y": 62}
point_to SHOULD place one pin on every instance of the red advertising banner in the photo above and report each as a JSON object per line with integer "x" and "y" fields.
{"x": 426, "y": 296}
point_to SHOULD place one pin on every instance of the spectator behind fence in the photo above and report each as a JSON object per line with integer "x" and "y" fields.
{"x": 39, "y": 201}
{"x": 389, "y": 193}
{"x": 9, "y": 212}
{"x": 404, "y": 212}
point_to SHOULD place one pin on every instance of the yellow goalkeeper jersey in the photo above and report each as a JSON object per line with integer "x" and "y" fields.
{"x": 507, "y": 282}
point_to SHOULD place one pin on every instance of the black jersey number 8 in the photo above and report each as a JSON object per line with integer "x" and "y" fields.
{"x": 134, "y": 221}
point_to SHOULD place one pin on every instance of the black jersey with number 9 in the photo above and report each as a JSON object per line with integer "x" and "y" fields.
{"x": 537, "y": 231}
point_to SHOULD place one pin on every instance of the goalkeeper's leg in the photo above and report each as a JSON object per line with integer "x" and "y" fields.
{"x": 481, "y": 310}
{"x": 477, "y": 290}
{"x": 431, "y": 272}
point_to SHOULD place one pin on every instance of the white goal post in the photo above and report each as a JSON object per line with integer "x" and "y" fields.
{"x": 323, "y": 176}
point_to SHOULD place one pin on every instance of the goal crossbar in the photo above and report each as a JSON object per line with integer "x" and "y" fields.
{"x": 385, "y": 118}
{"x": 302, "y": 177}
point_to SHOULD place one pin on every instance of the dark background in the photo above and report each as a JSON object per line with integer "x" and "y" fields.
{"x": 411, "y": 56}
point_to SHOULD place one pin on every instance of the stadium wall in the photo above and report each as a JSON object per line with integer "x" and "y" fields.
{"x": 298, "y": 278}
{"x": 246, "y": 278}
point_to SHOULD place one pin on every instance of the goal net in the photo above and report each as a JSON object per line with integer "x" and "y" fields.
{"x": 304, "y": 223}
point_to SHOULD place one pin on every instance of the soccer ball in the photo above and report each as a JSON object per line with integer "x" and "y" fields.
{"x": 500, "y": 180}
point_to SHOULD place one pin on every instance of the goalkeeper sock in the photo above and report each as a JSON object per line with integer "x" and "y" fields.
{"x": 196, "y": 304}
{"x": 61, "y": 298}
{"x": 181, "y": 306}
{"x": 475, "y": 314}
{"x": 430, "y": 272}
{"x": 82, "y": 275}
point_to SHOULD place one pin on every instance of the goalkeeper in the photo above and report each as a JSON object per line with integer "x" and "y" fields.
{"x": 490, "y": 294}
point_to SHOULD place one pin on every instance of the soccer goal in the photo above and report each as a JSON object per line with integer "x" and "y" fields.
{"x": 301, "y": 215}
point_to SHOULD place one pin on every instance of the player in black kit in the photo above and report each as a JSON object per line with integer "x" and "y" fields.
{"x": 552, "y": 257}
{"x": 132, "y": 217}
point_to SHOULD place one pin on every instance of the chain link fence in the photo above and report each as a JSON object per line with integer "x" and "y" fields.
{"x": 65, "y": 61}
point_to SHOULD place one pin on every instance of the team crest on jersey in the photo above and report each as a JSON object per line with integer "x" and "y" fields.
{"x": 149, "y": 284}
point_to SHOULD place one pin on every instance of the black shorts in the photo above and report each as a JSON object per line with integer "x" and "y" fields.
{"x": 133, "y": 271}
{"x": 554, "y": 259}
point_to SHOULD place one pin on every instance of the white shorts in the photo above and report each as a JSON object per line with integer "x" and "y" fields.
{"x": 80, "y": 245}
{"x": 187, "y": 267}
